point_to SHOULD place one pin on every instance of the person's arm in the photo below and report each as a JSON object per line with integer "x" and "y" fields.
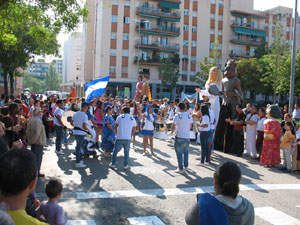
{"x": 192, "y": 215}
{"x": 58, "y": 117}
{"x": 173, "y": 128}
{"x": 116, "y": 128}
{"x": 85, "y": 127}
{"x": 109, "y": 126}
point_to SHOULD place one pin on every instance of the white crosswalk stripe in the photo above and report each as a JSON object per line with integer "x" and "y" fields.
{"x": 145, "y": 220}
{"x": 275, "y": 217}
{"x": 81, "y": 222}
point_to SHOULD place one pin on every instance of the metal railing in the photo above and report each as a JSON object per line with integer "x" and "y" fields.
{"x": 147, "y": 60}
{"x": 248, "y": 25}
{"x": 150, "y": 9}
{"x": 160, "y": 28}
{"x": 240, "y": 38}
{"x": 158, "y": 44}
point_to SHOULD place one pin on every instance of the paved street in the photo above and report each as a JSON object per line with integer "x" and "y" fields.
{"x": 99, "y": 195}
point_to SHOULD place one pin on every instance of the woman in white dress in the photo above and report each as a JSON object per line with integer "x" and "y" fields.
{"x": 214, "y": 78}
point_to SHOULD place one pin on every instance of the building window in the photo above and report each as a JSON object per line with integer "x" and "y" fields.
{"x": 194, "y": 29}
{"x": 193, "y": 59}
{"x": 126, "y": 20}
{"x": 213, "y": 2}
{"x": 211, "y": 45}
{"x": 287, "y": 29}
{"x": 127, "y": 4}
{"x": 220, "y": 18}
{"x": 125, "y": 53}
{"x": 186, "y": 12}
{"x": 194, "y": 14}
{"x": 221, "y": 3}
{"x": 186, "y": 27}
{"x": 113, "y": 52}
{"x": 164, "y": 55}
{"x": 114, "y": 18}
{"x": 212, "y": 30}
{"x": 114, "y": 2}
{"x": 220, "y": 47}
{"x": 185, "y": 42}
{"x": 194, "y": 0}
{"x": 212, "y": 17}
{"x": 194, "y": 44}
{"x": 192, "y": 73}
{"x": 125, "y": 36}
{"x": 220, "y": 32}
{"x": 124, "y": 69}
{"x": 287, "y": 41}
{"x": 113, "y": 35}
{"x": 112, "y": 69}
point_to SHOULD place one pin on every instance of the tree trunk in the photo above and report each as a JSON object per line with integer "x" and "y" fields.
{"x": 274, "y": 96}
{"x": 5, "y": 82}
{"x": 11, "y": 83}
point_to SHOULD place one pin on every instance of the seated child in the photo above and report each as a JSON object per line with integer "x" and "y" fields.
{"x": 50, "y": 211}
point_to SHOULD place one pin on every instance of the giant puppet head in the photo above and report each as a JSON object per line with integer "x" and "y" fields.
{"x": 230, "y": 69}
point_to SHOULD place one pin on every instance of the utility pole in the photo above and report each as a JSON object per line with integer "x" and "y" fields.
{"x": 291, "y": 99}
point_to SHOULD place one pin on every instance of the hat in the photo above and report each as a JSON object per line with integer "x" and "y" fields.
{"x": 36, "y": 111}
{"x": 275, "y": 111}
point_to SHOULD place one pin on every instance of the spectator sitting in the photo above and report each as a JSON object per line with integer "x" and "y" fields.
{"x": 20, "y": 164}
{"x": 233, "y": 210}
{"x": 53, "y": 213}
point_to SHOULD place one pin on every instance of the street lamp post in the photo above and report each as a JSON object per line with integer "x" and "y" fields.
{"x": 291, "y": 98}
{"x": 184, "y": 64}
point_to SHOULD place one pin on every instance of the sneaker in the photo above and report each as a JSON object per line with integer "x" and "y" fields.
{"x": 199, "y": 164}
{"x": 144, "y": 153}
{"x": 60, "y": 152}
{"x": 66, "y": 145}
{"x": 286, "y": 171}
{"x": 282, "y": 168}
{"x": 207, "y": 163}
{"x": 80, "y": 165}
{"x": 186, "y": 169}
{"x": 112, "y": 166}
{"x": 179, "y": 171}
{"x": 126, "y": 167}
{"x": 198, "y": 158}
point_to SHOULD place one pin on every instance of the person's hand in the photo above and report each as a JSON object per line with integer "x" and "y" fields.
{"x": 65, "y": 128}
{"x": 227, "y": 120}
{"x": 231, "y": 122}
{"x": 17, "y": 128}
{"x": 36, "y": 203}
{"x": 17, "y": 144}
{"x": 198, "y": 90}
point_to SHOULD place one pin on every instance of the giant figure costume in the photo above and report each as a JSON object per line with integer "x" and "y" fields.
{"x": 232, "y": 97}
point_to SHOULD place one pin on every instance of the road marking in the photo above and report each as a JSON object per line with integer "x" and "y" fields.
{"x": 275, "y": 217}
{"x": 297, "y": 206}
{"x": 145, "y": 220}
{"x": 81, "y": 222}
{"x": 179, "y": 191}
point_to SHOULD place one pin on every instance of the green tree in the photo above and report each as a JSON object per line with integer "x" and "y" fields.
{"x": 35, "y": 85}
{"x": 52, "y": 80}
{"x": 216, "y": 54}
{"x": 169, "y": 72}
{"x": 261, "y": 50}
{"x": 273, "y": 70}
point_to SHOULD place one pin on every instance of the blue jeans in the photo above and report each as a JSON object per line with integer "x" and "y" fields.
{"x": 118, "y": 146}
{"x": 182, "y": 151}
{"x": 65, "y": 136}
{"x": 79, "y": 141}
{"x": 38, "y": 151}
{"x": 85, "y": 148}
{"x": 204, "y": 136}
{"x": 59, "y": 136}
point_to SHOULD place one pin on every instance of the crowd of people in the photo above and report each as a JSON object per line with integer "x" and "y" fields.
{"x": 107, "y": 124}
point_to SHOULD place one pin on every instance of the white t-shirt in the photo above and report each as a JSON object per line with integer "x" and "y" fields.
{"x": 172, "y": 112}
{"x": 205, "y": 120}
{"x": 260, "y": 124}
{"x": 125, "y": 124}
{"x": 255, "y": 118}
{"x": 79, "y": 119}
{"x": 296, "y": 114}
{"x": 58, "y": 112}
{"x": 183, "y": 124}
{"x": 149, "y": 123}
{"x": 212, "y": 119}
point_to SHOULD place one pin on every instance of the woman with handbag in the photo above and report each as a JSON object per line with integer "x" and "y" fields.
{"x": 271, "y": 145}
{"x": 148, "y": 128}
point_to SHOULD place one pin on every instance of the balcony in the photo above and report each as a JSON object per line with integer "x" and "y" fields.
{"x": 161, "y": 30}
{"x": 173, "y": 4}
{"x": 152, "y": 12}
{"x": 159, "y": 46}
{"x": 247, "y": 14}
{"x": 148, "y": 61}
{"x": 248, "y": 29}
{"x": 246, "y": 41}
{"x": 240, "y": 54}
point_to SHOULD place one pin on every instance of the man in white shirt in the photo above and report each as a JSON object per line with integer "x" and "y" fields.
{"x": 59, "y": 125}
{"x": 79, "y": 121}
{"x": 172, "y": 111}
{"x": 182, "y": 123}
{"x": 296, "y": 113}
{"x": 125, "y": 127}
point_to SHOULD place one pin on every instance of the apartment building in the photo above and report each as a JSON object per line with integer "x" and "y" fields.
{"x": 38, "y": 69}
{"x": 72, "y": 64}
{"x": 125, "y": 38}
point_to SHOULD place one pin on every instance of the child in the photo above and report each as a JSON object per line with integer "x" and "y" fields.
{"x": 50, "y": 211}
{"x": 288, "y": 137}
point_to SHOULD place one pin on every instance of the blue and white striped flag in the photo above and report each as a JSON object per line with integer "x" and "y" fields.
{"x": 95, "y": 88}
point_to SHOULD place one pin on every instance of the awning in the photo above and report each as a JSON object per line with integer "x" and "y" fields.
{"x": 171, "y": 5}
{"x": 248, "y": 31}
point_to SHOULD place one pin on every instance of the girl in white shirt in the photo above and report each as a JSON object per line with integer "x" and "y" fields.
{"x": 260, "y": 131}
{"x": 148, "y": 128}
{"x": 204, "y": 128}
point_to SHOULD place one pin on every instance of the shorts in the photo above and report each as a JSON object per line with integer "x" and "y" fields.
{"x": 147, "y": 132}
